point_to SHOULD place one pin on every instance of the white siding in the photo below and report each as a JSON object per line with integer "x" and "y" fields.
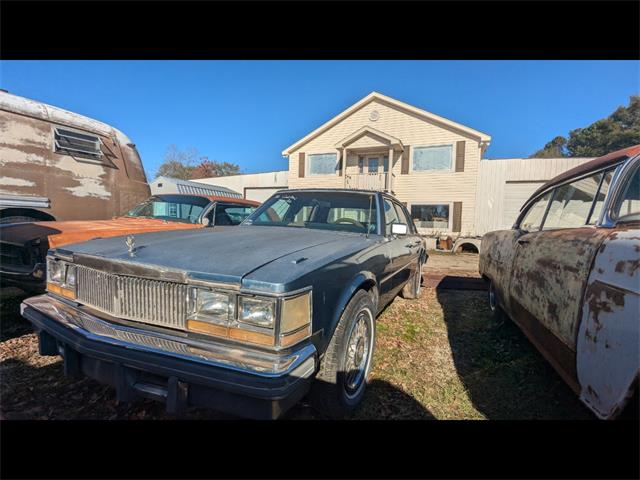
{"x": 415, "y": 187}
{"x": 253, "y": 183}
{"x": 495, "y": 204}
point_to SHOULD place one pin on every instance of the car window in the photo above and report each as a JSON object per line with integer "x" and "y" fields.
{"x": 390, "y": 216}
{"x": 532, "y": 221}
{"x": 571, "y": 203}
{"x": 630, "y": 199}
{"x": 232, "y": 215}
{"x": 600, "y": 197}
{"x": 342, "y": 211}
{"x": 402, "y": 217}
{"x": 178, "y": 208}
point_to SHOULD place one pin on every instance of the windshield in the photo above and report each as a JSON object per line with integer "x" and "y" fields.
{"x": 341, "y": 211}
{"x": 175, "y": 208}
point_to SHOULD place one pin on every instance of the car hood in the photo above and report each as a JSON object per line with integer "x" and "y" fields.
{"x": 59, "y": 234}
{"x": 224, "y": 254}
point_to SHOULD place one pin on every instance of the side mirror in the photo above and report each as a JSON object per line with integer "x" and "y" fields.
{"x": 399, "y": 229}
{"x": 205, "y": 221}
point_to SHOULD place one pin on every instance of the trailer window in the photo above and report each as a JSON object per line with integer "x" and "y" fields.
{"x": 70, "y": 142}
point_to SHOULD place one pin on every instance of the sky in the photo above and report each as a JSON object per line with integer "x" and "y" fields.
{"x": 247, "y": 112}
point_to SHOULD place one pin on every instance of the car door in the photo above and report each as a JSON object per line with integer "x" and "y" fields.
{"x": 607, "y": 355}
{"x": 550, "y": 269}
{"x": 401, "y": 250}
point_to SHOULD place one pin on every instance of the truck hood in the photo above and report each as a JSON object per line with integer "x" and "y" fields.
{"x": 224, "y": 254}
{"x": 59, "y": 234}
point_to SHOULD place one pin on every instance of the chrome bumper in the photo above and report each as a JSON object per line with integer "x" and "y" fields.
{"x": 300, "y": 363}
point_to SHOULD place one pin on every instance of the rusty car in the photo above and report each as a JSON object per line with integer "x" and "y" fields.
{"x": 568, "y": 274}
{"x": 246, "y": 320}
{"x": 60, "y": 165}
{"x": 24, "y": 246}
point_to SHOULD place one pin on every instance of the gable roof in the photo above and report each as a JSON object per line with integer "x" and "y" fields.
{"x": 392, "y": 101}
{"x": 361, "y": 132}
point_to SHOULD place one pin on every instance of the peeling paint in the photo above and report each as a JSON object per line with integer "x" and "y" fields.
{"x": 16, "y": 181}
{"x": 32, "y": 168}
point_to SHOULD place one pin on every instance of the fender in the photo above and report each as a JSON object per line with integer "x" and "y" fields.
{"x": 360, "y": 279}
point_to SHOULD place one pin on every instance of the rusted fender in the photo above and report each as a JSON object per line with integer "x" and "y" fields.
{"x": 496, "y": 260}
{"x": 608, "y": 341}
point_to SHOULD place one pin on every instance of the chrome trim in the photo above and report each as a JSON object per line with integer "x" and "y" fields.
{"x": 133, "y": 298}
{"x": 244, "y": 360}
{"x": 618, "y": 183}
{"x": 525, "y": 207}
{"x": 24, "y": 201}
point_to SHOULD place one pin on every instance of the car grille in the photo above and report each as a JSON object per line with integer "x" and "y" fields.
{"x": 132, "y": 298}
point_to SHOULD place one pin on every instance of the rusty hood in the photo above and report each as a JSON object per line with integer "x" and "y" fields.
{"x": 63, "y": 233}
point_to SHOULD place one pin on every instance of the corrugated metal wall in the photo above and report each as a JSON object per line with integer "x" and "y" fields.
{"x": 505, "y": 184}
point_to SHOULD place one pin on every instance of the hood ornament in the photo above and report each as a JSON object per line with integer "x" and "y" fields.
{"x": 131, "y": 245}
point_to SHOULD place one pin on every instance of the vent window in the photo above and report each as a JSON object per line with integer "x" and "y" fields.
{"x": 78, "y": 144}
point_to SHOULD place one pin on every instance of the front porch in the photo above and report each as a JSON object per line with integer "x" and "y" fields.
{"x": 382, "y": 182}
{"x": 367, "y": 160}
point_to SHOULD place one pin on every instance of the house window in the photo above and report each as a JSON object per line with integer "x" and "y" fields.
{"x": 78, "y": 144}
{"x": 431, "y": 216}
{"x": 432, "y": 158}
{"x": 323, "y": 164}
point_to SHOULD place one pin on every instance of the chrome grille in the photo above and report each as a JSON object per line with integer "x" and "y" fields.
{"x": 132, "y": 298}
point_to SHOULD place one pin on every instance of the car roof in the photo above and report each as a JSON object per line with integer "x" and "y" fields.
{"x": 591, "y": 166}
{"x": 212, "y": 198}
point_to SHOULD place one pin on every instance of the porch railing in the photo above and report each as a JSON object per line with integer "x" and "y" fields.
{"x": 382, "y": 182}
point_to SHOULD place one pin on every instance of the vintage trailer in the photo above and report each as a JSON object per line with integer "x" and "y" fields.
{"x": 568, "y": 274}
{"x": 59, "y": 165}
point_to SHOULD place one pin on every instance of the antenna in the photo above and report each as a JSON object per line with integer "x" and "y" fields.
{"x": 369, "y": 219}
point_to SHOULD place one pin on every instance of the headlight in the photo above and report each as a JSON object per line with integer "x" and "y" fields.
{"x": 261, "y": 320}
{"x": 209, "y": 305}
{"x": 61, "y": 278}
{"x": 257, "y": 311}
{"x": 70, "y": 278}
{"x": 55, "y": 271}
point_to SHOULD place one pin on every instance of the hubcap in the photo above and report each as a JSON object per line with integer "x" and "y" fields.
{"x": 358, "y": 350}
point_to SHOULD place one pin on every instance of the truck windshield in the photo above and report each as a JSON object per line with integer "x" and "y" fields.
{"x": 343, "y": 211}
{"x": 175, "y": 208}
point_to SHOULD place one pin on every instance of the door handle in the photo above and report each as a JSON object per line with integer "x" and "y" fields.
{"x": 414, "y": 244}
{"x": 523, "y": 241}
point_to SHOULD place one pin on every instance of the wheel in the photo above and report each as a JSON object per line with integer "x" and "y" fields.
{"x": 499, "y": 314}
{"x": 17, "y": 219}
{"x": 341, "y": 381}
{"x": 413, "y": 287}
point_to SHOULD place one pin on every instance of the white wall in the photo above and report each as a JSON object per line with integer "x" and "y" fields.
{"x": 503, "y": 185}
{"x": 254, "y": 186}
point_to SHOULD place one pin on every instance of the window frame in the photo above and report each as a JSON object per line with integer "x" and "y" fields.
{"x": 450, "y": 169}
{"x": 450, "y": 221}
{"x": 611, "y": 194}
{"x": 99, "y": 157}
{"x": 308, "y": 164}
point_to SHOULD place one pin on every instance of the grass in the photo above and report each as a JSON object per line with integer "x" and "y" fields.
{"x": 438, "y": 357}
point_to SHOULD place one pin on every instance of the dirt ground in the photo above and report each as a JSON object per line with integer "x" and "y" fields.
{"x": 441, "y": 356}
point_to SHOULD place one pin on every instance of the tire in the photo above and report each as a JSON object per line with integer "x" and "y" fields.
{"x": 17, "y": 219}
{"x": 499, "y": 314}
{"x": 336, "y": 392}
{"x": 413, "y": 287}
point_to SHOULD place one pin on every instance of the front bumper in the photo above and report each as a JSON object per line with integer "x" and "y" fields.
{"x": 29, "y": 278}
{"x": 175, "y": 369}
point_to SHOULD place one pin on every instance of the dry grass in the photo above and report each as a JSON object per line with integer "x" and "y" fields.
{"x": 440, "y": 356}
